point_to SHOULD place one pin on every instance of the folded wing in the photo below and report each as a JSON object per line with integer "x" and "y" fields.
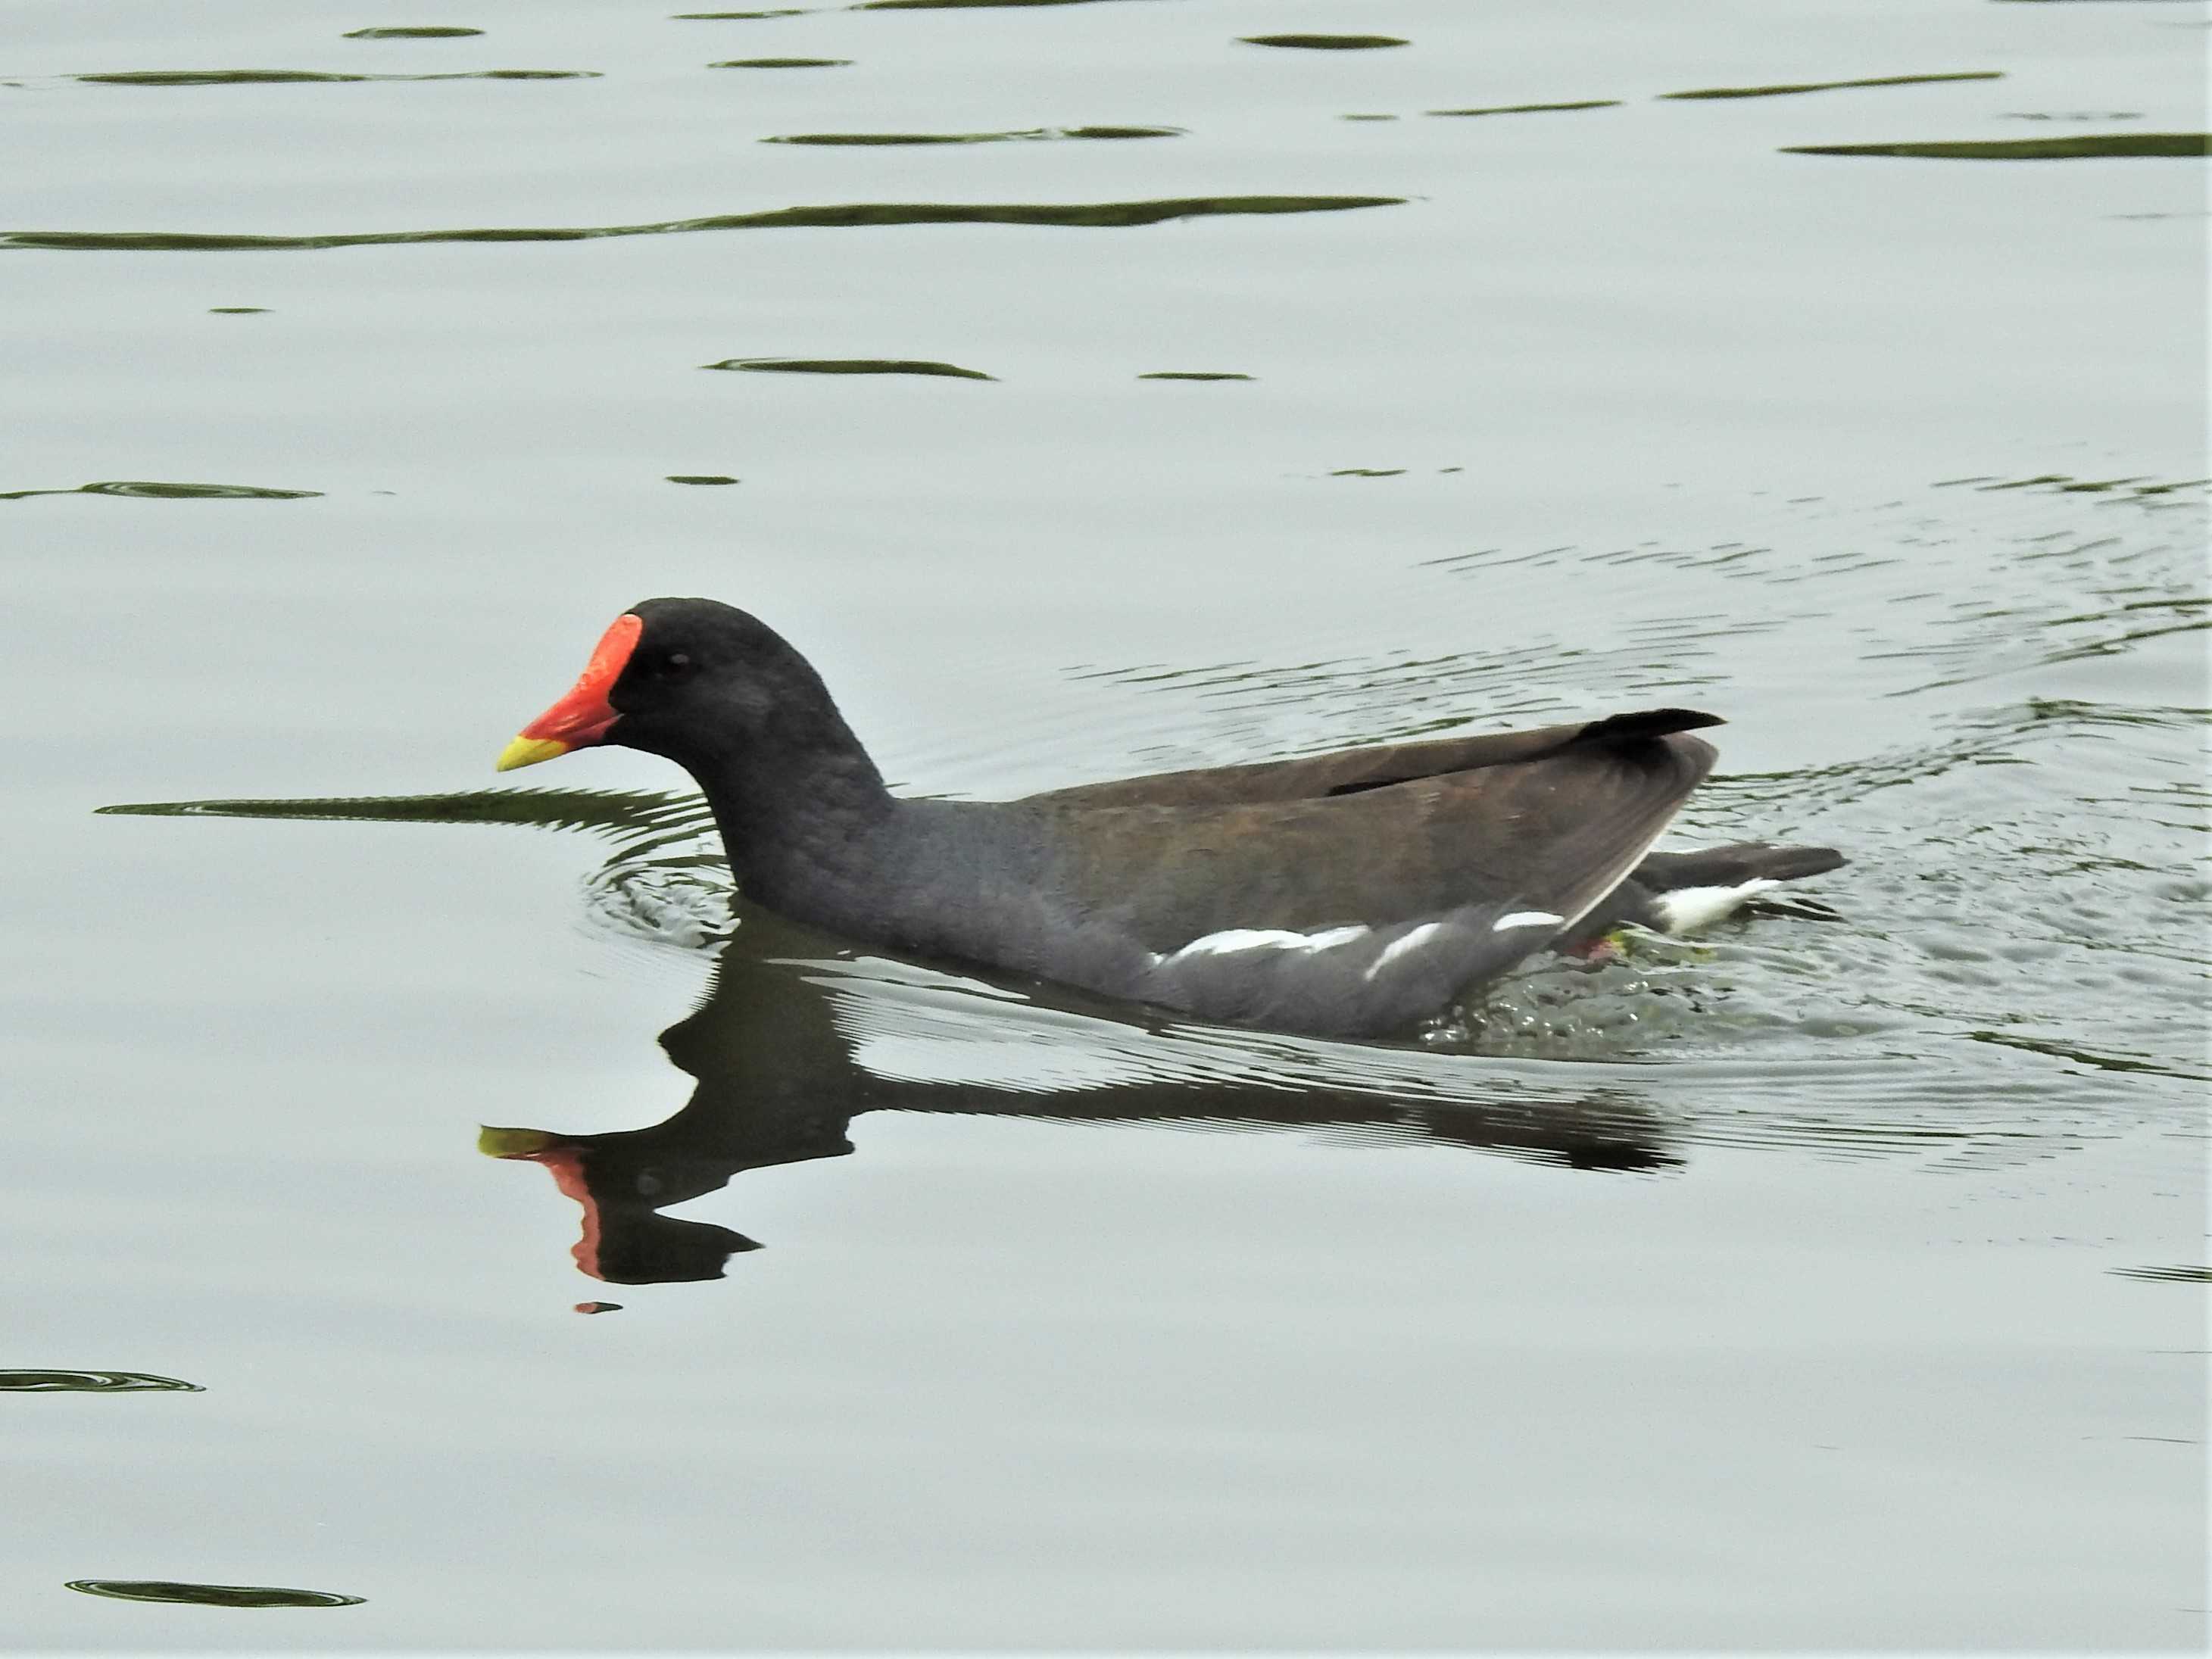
{"x": 1355, "y": 911}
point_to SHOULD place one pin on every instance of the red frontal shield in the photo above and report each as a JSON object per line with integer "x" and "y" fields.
{"x": 583, "y": 716}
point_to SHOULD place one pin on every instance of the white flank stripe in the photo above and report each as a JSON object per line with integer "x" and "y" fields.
{"x": 1688, "y": 908}
{"x": 1525, "y": 919}
{"x": 1243, "y": 939}
{"x": 1398, "y": 947}
{"x": 1265, "y": 938}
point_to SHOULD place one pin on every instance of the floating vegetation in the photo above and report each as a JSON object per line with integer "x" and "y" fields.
{"x": 293, "y": 77}
{"x": 1366, "y": 118}
{"x": 1325, "y": 42}
{"x": 1530, "y": 109}
{"x": 726, "y": 17}
{"x": 33, "y": 1381}
{"x": 2186, "y": 1273}
{"x": 783, "y": 62}
{"x": 2088, "y": 146}
{"x": 700, "y": 478}
{"x": 211, "y": 1596}
{"x": 1081, "y": 215}
{"x": 1788, "y": 90}
{"x": 169, "y": 492}
{"x": 1190, "y": 374}
{"x": 598, "y": 1307}
{"x": 237, "y": 311}
{"x": 1023, "y": 134}
{"x": 428, "y": 33}
{"x": 1369, "y": 472}
{"x": 850, "y": 366}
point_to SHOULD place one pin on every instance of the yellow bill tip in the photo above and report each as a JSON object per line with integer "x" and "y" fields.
{"x": 511, "y": 1143}
{"x": 528, "y": 751}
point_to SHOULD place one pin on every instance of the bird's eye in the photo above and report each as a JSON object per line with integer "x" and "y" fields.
{"x": 676, "y": 665}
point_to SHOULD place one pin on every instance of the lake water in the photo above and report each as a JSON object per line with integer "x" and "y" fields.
{"x": 1837, "y": 1282}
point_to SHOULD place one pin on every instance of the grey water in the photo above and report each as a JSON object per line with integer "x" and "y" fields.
{"x": 1126, "y": 385}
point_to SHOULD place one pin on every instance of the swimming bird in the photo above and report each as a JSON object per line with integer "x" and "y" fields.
{"x": 1346, "y": 895}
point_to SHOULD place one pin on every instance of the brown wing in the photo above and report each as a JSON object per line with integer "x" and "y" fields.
{"x": 1350, "y": 771}
{"x": 1553, "y": 827}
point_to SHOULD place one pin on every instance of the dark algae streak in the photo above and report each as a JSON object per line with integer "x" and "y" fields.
{"x": 149, "y": 489}
{"x": 211, "y": 1596}
{"x": 1325, "y": 42}
{"x": 1017, "y": 136}
{"x": 64, "y": 1382}
{"x": 1084, "y": 216}
{"x": 1530, "y": 109}
{"x": 2085, "y": 146}
{"x": 296, "y": 77}
{"x": 851, "y": 366}
{"x": 1785, "y": 89}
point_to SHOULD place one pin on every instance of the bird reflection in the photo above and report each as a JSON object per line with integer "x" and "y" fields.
{"x": 795, "y": 1039}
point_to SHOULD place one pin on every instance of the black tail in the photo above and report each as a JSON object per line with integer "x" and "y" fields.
{"x": 1732, "y": 866}
{"x": 1644, "y": 723}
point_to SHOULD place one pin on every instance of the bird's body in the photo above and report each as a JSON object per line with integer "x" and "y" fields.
{"x": 1346, "y": 895}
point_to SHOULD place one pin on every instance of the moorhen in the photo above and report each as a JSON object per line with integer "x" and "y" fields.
{"x": 1349, "y": 895}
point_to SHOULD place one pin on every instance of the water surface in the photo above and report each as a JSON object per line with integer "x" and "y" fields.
{"x": 1835, "y": 1280}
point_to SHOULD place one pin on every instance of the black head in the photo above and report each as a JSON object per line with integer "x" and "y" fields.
{"x": 704, "y": 683}
{"x": 706, "y": 677}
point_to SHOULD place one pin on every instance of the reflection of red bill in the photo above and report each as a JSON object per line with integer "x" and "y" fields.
{"x": 566, "y": 1163}
{"x": 583, "y": 716}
